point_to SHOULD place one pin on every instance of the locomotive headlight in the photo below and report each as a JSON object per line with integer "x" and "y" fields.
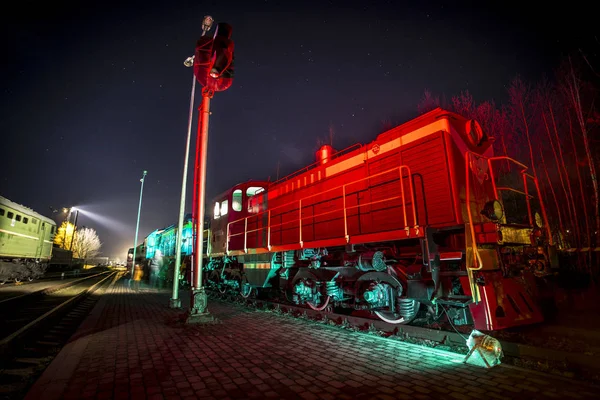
{"x": 493, "y": 210}
{"x": 537, "y": 220}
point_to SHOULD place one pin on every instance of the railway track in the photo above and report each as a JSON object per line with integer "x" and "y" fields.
{"x": 561, "y": 363}
{"x": 37, "y": 325}
{"x": 46, "y": 287}
{"x": 44, "y": 277}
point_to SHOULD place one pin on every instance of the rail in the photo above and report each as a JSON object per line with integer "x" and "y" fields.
{"x": 469, "y": 157}
{"x": 52, "y": 289}
{"x": 8, "y": 340}
{"x": 345, "y": 208}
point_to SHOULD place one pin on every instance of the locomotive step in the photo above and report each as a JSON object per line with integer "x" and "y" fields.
{"x": 458, "y": 301}
{"x": 19, "y": 371}
{"x": 30, "y": 360}
{"x": 45, "y": 343}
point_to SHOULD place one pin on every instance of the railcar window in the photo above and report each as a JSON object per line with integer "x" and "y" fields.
{"x": 236, "y": 200}
{"x": 10, "y": 215}
{"x": 217, "y": 213}
{"x": 224, "y": 207}
{"x": 18, "y": 218}
{"x": 25, "y": 220}
{"x": 34, "y": 221}
{"x": 1, "y": 212}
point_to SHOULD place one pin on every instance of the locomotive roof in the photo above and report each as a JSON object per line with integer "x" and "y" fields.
{"x": 25, "y": 210}
{"x": 419, "y": 122}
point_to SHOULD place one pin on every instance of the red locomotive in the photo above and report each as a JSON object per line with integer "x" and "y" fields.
{"x": 415, "y": 218}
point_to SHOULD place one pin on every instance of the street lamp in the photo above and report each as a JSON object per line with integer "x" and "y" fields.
{"x": 137, "y": 225}
{"x": 74, "y": 226}
{"x": 175, "y": 301}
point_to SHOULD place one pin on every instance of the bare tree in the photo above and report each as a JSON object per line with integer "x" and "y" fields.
{"x": 86, "y": 244}
{"x": 542, "y": 103}
{"x": 556, "y": 204}
{"x": 580, "y": 179}
{"x": 572, "y": 86}
{"x": 519, "y": 94}
{"x": 428, "y": 102}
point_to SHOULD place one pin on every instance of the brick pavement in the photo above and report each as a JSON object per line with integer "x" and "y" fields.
{"x": 133, "y": 346}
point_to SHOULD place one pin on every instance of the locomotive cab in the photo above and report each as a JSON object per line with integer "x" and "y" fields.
{"x": 231, "y": 205}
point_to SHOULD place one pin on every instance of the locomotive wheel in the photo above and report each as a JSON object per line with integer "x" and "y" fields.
{"x": 221, "y": 287}
{"x": 218, "y": 282}
{"x": 409, "y": 307}
{"x": 320, "y": 307}
{"x": 245, "y": 289}
{"x": 324, "y": 300}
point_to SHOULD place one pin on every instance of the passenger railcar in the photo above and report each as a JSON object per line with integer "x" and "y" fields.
{"x": 418, "y": 218}
{"x": 25, "y": 242}
{"x": 163, "y": 242}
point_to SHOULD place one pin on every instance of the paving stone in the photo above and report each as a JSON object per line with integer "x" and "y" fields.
{"x": 134, "y": 345}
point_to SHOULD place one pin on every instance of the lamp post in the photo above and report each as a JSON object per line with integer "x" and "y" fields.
{"x": 74, "y": 227}
{"x": 175, "y": 301}
{"x": 137, "y": 225}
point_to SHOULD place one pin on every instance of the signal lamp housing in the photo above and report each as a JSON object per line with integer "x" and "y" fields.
{"x": 493, "y": 210}
{"x": 538, "y": 221}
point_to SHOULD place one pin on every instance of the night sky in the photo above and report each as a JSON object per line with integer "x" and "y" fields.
{"x": 94, "y": 94}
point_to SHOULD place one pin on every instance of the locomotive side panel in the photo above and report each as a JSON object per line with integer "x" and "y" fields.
{"x": 427, "y": 159}
{"x": 315, "y": 201}
{"x": 383, "y": 194}
{"x": 326, "y": 211}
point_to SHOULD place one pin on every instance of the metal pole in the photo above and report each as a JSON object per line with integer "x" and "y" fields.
{"x": 198, "y": 311}
{"x": 74, "y": 229}
{"x": 137, "y": 225}
{"x": 175, "y": 300}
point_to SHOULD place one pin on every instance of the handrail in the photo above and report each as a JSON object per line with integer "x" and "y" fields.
{"x": 528, "y": 196}
{"x": 474, "y": 289}
{"x": 344, "y": 208}
{"x": 509, "y": 189}
{"x": 468, "y": 156}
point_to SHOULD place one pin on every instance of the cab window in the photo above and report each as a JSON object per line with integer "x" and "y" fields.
{"x": 251, "y": 191}
{"x": 217, "y": 210}
{"x": 224, "y": 207}
{"x": 236, "y": 200}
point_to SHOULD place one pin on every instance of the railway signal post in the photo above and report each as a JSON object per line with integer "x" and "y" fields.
{"x": 213, "y": 68}
{"x": 175, "y": 301}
